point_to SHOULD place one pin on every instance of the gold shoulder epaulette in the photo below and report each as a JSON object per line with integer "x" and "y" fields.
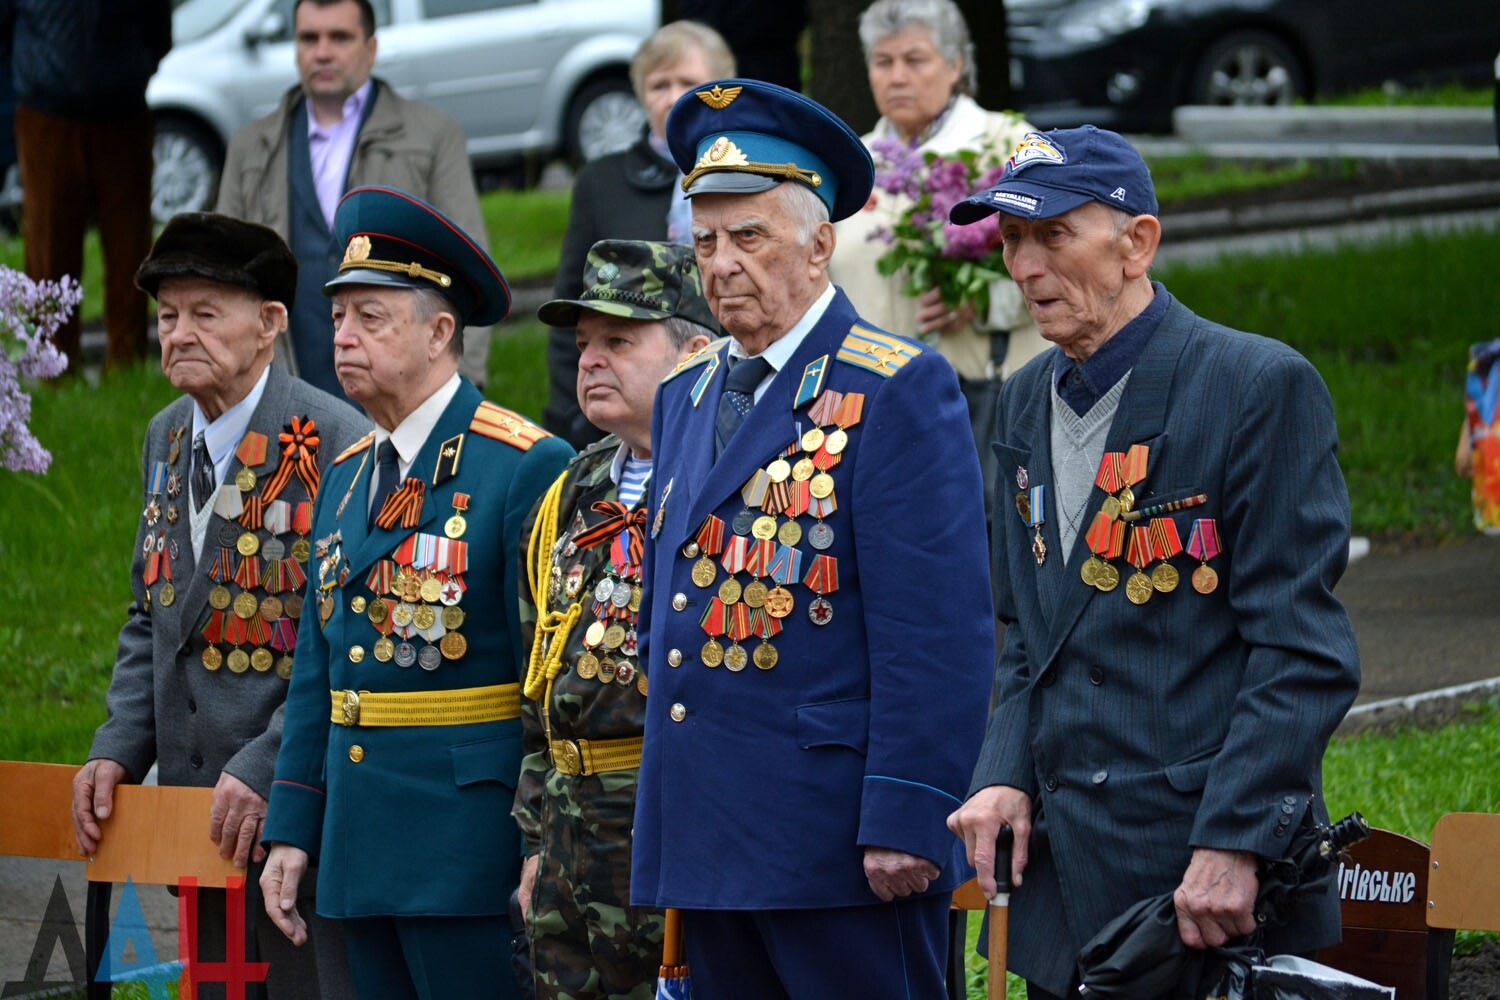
{"x": 356, "y": 447}
{"x": 697, "y": 358}
{"x": 881, "y": 353}
{"x": 506, "y": 425}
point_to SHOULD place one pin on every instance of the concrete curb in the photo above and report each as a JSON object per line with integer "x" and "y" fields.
{"x": 1329, "y": 211}
{"x": 1414, "y": 126}
{"x": 1427, "y": 709}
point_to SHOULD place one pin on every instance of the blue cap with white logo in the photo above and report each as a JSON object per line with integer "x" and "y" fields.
{"x": 1055, "y": 172}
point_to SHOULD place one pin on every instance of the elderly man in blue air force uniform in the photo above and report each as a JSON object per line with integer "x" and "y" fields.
{"x": 229, "y": 474}
{"x": 403, "y": 793}
{"x": 818, "y": 618}
{"x": 1175, "y": 660}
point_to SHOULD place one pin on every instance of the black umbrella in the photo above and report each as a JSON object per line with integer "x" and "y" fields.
{"x": 1140, "y": 955}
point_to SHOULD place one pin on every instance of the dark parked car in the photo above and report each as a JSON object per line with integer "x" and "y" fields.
{"x": 1125, "y": 64}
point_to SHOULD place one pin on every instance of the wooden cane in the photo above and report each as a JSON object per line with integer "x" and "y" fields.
{"x": 999, "y": 936}
{"x": 671, "y": 944}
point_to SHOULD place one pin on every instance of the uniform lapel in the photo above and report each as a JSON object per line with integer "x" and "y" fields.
{"x": 1140, "y": 419}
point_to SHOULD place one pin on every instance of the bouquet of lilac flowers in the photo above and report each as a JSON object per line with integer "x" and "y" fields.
{"x": 30, "y": 314}
{"x": 927, "y": 249}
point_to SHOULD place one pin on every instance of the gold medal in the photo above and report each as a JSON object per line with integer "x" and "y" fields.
{"x": 301, "y": 550}
{"x": 790, "y": 533}
{"x": 247, "y": 544}
{"x": 640, "y": 682}
{"x": 812, "y": 440}
{"x": 455, "y": 526}
{"x": 424, "y": 617}
{"x": 755, "y": 594}
{"x": 1111, "y": 508}
{"x": 607, "y": 670}
{"x": 764, "y": 527}
{"x": 588, "y": 666}
{"x": 453, "y": 618}
{"x": 637, "y": 594}
{"x": 1205, "y": 579}
{"x": 409, "y": 588}
{"x": 712, "y": 654}
{"x": 431, "y": 590}
{"x": 765, "y": 655}
{"x": 1127, "y": 498}
{"x": 292, "y": 605}
{"x": 245, "y": 480}
{"x": 779, "y": 470}
{"x": 245, "y": 605}
{"x": 729, "y": 591}
{"x": 284, "y": 668}
{"x": 803, "y": 470}
{"x": 261, "y": 660}
{"x": 357, "y": 605}
{"x": 325, "y": 608}
{"x": 821, "y": 486}
{"x": 1090, "y": 570}
{"x": 212, "y": 658}
{"x": 238, "y": 661}
{"x": 1164, "y": 578}
{"x": 779, "y": 602}
{"x": 166, "y": 595}
{"x": 1138, "y": 588}
{"x": 704, "y": 572}
{"x": 614, "y": 635}
{"x": 735, "y": 658}
{"x": 594, "y": 634}
{"x": 384, "y": 649}
{"x": 1108, "y": 577}
{"x": 837, "y": 441}
{"x": 270, "y": 608}
{"x": 380, "y": 609}
{"x": 453, "y": 646}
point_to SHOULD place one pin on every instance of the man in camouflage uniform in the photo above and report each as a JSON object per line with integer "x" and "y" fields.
{"x": 642, "y": 313}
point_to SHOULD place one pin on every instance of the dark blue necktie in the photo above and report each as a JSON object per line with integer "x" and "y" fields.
{"x": 203, "y": 472}
{"x": 739, "y": 395}
{"x": 385, "y": 477}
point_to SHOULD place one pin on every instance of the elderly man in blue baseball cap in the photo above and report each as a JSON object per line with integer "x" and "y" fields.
{"x": 817, "y": 628}
{"x": 400, "y": 787}
{"x": 1150, "y": 737}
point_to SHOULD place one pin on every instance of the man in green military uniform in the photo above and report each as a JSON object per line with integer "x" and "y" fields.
{"x": 584, "y": 701}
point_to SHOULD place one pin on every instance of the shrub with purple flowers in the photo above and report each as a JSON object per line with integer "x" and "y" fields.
{"x": 925, "y": 248}
{"x": 30, "y": 313}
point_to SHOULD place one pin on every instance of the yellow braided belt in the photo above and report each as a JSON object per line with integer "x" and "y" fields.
{"x": 576, "y": 757}
{"x": 459, "y": 707}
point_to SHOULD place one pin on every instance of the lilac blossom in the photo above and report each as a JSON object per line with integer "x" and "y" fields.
{"x": 30, "y": 314}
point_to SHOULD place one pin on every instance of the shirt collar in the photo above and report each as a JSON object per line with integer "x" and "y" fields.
{"x": 782, "y": 349}
{"x": 222, "y": 435}
{"x": 413, "y": 432}
{"x": 354, "y": 106}
{"x": 1081, "y": 384}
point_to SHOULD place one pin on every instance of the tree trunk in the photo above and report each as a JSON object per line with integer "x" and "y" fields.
{"x": 986, "y": 20}
{"x": 838, "y": 79}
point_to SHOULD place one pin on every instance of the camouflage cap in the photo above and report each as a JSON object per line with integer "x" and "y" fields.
{"x": 637, "y": 280}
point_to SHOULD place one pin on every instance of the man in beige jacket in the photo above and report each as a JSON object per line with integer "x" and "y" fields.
{"x": 339, "y": 129}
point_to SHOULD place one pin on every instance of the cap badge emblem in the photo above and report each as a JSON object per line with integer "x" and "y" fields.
{"x": 1035, "y": 148}
{"x": 719, "y": 97}
{"x": 608, "y": 272}
{"x": 358, "y": 250}
{"x": 723, "y": 153}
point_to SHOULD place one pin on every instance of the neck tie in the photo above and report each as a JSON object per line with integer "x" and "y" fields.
{"x": 385, "y": 477}
{"x": 739, "y": 395}
{"x": 203, "y": 472}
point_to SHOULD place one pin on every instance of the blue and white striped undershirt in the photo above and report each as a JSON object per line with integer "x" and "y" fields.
{"x": 633, "y": 479}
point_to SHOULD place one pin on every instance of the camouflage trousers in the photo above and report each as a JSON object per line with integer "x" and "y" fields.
{"x": 587, "y": 942}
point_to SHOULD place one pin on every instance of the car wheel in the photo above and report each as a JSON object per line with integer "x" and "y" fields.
{"x": 185, "y": 177}
{"x": 1248, "y": 68}
{"x": 603, "y": 117}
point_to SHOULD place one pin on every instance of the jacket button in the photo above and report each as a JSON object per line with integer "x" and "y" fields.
{"x": 192, "y": 706}
{"x": 1100, "y": 776}
{"x": 1048, "y": 678}
{"x": 356, "y": 654}
{"x": 357, "y": 605}
{"x": 196, "y": 760}
{"x": 679, "y": 712}
{"x": 674, "y": 657}
{"x": 356, "y": 753}
{"x": 679, "y": 601}
{"x": 1096, "y": 676}
{"x": 1051, "y": 782}
{"x": 1287, "y": 810}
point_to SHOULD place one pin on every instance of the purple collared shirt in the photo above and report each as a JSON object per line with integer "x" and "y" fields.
{"x": 332, "y": 146}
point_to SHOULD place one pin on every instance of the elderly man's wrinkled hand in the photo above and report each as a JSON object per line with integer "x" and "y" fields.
{"x": 94, "y": 800}
{"x": 1216, "y": 900}
{"x": 893, "y": 874}
{"x": 234, "y": 821}
{"x": 977, "y": 823}
{"x": 279, "y": 882}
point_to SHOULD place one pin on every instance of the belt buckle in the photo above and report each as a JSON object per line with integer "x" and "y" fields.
{"x": 350, "y": 708}
{"x": 567, "y": 757}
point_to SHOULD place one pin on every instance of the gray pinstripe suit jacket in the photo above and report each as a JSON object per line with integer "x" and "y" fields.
{"x": 1193, "y": 720}
{"x": 164, "y": 706}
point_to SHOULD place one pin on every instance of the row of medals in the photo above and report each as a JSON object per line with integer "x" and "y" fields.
{"x": 777, "y": 601}
{"x": 619, "y": 598}
{"x": 245, "y": 604}
{"x": 1163, "y": 578}
{"x": 414, "y": 602}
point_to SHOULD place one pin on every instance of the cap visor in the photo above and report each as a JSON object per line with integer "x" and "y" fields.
{"x": 1023, "y": 200}
{"x": 370, "y": 276}
{"x": 732, "y": 182}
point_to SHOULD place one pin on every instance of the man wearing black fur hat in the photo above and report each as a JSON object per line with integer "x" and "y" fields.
{"x": 230, "y": 472}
